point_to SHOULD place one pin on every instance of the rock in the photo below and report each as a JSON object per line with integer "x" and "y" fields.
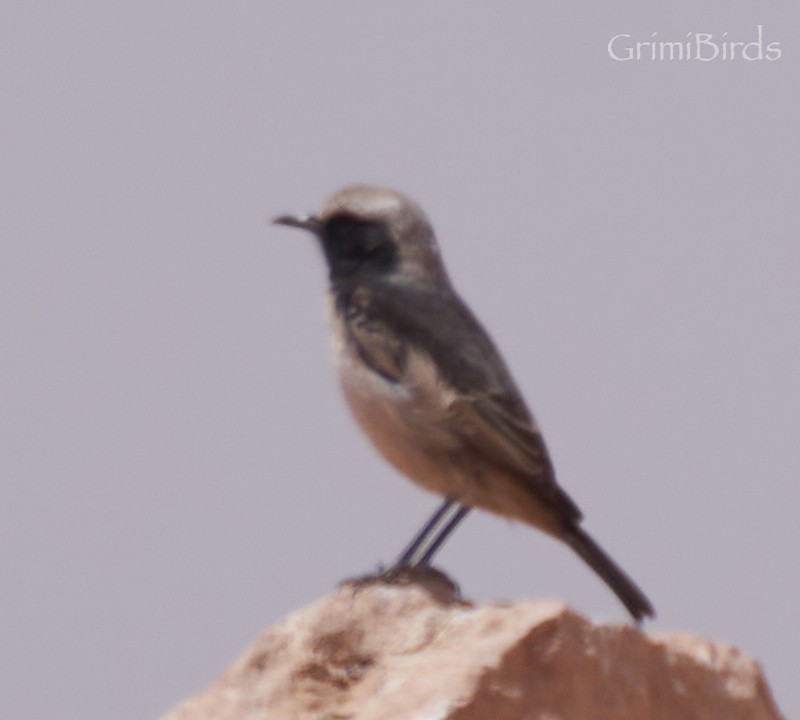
{"x": 413, "y": 649}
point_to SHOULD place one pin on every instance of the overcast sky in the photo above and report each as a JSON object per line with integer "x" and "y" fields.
{"x": 178, "y": 469}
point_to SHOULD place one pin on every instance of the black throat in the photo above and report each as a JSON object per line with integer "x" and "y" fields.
{"x": 357, "y": 249}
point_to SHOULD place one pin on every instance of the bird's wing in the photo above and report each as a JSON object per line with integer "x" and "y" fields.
{"x": 487, "y": 410}
{"x": 501, "y": 429}
{"x": 379, "y": 348}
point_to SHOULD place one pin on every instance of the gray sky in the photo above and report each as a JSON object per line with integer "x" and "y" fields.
{"x": 178, "y": 469}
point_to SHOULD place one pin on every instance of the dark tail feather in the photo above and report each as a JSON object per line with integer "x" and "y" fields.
{"x": 624, "y": 588}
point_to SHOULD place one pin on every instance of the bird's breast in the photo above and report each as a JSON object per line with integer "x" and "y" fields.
{"x": 407, "y": 419}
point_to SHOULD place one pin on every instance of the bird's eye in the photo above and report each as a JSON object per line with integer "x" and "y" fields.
{"x": 350, "y": 238}
{"x": 351, "y": 243}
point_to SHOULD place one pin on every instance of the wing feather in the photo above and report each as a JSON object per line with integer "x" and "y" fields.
{"x": 379, "y": 348}
{"x": 487, "y": 411}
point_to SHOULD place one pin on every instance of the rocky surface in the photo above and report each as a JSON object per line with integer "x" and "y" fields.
{"x": 376, "y": 651}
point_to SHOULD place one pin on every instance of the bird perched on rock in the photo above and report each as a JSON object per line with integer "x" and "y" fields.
{"x": 427, "y": 385}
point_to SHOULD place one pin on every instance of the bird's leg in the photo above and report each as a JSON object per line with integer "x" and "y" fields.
{"x": 443, "y": 534}
{"x": 430, "y": 538}
{"x": 407, "y": 557}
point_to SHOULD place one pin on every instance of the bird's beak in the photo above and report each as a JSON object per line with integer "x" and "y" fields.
{"x": 305, "y": 222}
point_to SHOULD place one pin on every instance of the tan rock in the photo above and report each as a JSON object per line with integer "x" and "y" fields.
{"x": 414, "y": 651}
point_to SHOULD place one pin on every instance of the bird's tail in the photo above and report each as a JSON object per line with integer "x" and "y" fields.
{"x": 624, "y": 588}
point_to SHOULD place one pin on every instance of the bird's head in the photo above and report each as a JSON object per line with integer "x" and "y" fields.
{"x": 369, "y": 232}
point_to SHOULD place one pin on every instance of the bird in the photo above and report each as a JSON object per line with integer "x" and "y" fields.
{"x": 427, "y": 385}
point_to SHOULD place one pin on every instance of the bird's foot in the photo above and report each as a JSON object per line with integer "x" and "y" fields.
{"x": 435, "y": 581}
